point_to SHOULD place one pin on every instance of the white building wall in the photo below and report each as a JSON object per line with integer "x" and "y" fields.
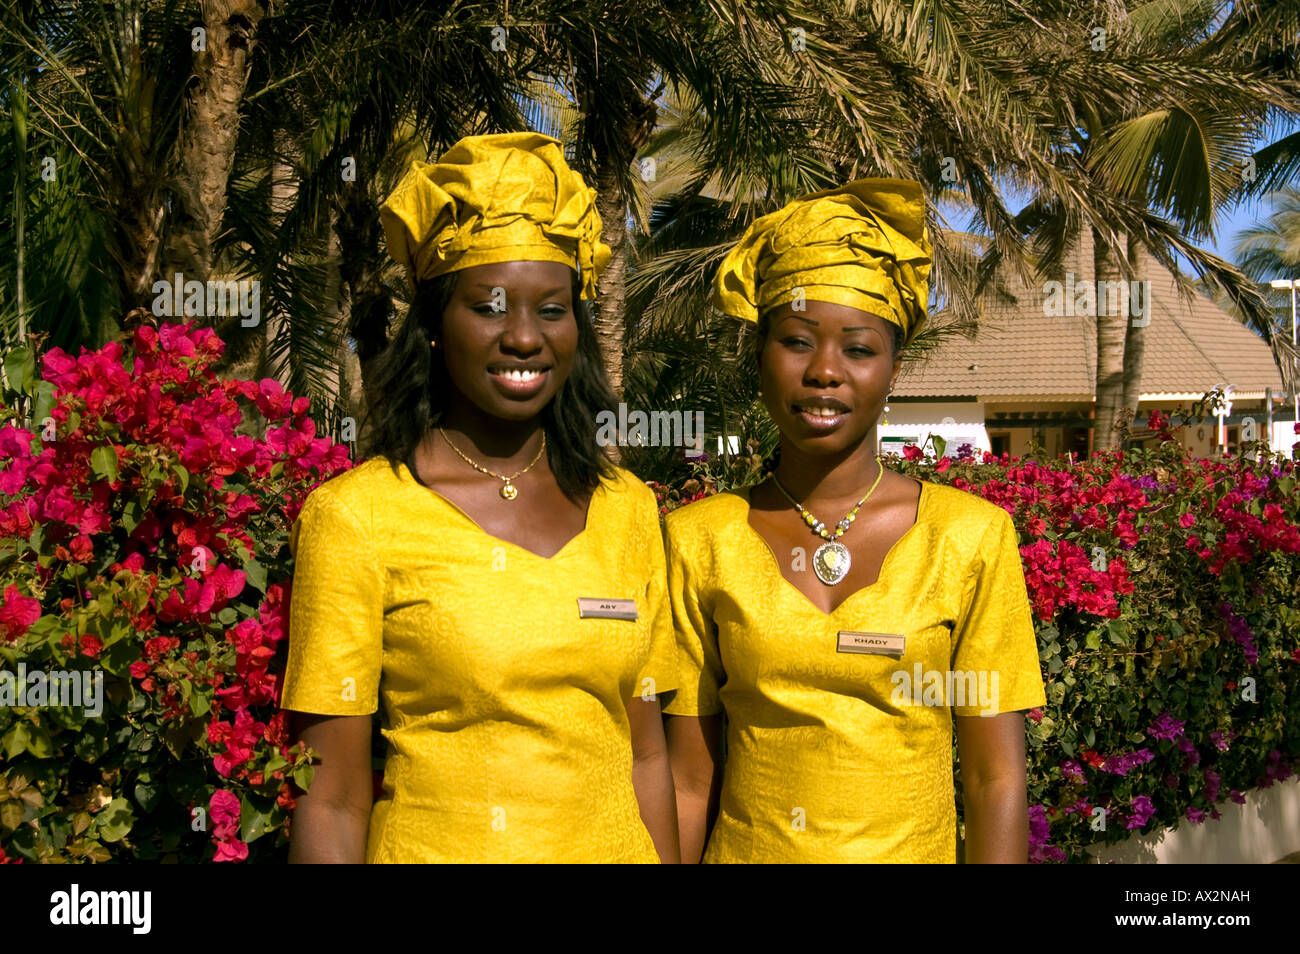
{"x": 957, "y": 422}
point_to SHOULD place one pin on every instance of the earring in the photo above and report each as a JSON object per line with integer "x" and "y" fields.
{"x": 885, "y": 418}
{"x": 434, "y": 342}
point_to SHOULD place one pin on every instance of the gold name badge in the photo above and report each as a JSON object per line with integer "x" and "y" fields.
{"x": 882, "y": 644}
{"x": 606, "y": 609}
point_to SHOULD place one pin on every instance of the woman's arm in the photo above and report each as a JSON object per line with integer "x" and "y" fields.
{"x": 651, "y": 778}
{"x": 330, "y": 821}
{"x": 694, "y": 749}
{"x": 992, "y": 753}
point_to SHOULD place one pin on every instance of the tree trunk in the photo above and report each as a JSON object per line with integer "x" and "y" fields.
{"x": 1111, "y": 331}
{"x": 1134, "y": 340}
{"x": 205, "y": 150}
{"x": 612, "y": 180}
{"x": 611, "y": 305}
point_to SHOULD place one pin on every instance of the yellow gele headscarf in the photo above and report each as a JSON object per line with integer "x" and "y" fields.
{"x": 500, "y": 198}
{"x": 864, "y": 244}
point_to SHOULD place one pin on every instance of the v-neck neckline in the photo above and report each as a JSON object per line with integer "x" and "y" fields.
{"x": 743, "y": 494}
{"x": 408, "y": 475}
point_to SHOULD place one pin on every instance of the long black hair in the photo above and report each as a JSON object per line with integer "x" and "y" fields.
{"x": 410, "y": 390}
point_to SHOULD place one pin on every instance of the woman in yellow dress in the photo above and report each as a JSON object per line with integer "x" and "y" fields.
{"x": 839, "y": 614}
{"x": 487, "y": 571}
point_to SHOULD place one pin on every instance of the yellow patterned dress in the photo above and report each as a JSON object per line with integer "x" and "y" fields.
{"x": 505, "y": 712}
{"x": 837, "y": 751}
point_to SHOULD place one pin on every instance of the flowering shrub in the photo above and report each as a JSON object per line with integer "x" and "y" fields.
{"x": 143, "y": 537}
{"x": 1166, "y": 600}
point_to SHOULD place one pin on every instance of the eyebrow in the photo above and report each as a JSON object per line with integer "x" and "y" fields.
{"x": 485, "y": 286}
{"x": 846, "y": 330}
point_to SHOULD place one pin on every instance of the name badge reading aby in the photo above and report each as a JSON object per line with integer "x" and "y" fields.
{"x": 606, "y": 609}
{"x": 883, "y": 644}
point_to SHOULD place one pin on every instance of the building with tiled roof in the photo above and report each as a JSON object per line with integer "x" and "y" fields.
{"x": 1030, "y": 370}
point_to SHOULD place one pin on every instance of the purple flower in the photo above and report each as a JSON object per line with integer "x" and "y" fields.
{"x": 1237, "y": 797}
{"x": 1195, "y": 815}
{"x": 1039, "y": 830}
{"x": 1171, "y": 781}
{"x": 1147, "y": 482}
{"x": 1220, "y": 739}
{"x": 1122, "y": 764}
{"x": 1275, "y": 770}
{"x": 1240, "y": 633}
{"x": 1039, "y": 826}
{"x": 1212, "y": 784}
{"x": 1166, "y": 727}
{"x": 1142, "y": 811}
{"x": 1072, "y": 770}
{"x": 1190, "y": 755}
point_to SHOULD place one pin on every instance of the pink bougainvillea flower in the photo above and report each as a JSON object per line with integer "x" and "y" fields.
{"x": 18, "y": 613}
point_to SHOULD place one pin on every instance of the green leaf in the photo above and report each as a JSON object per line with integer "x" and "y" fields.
{"x": 200, "y": 704}
{"x": 15, "y": 740}
{"x": 252, "y": 823}
{"x": 256, "y": 574}
{"x": 147, "y": 794}
{"x": 302, "y": 774}
{"x": 940, "y": 445}
{"x": 42, "y": 404}
{"x": 131, "y": 516}
{"x": 1094, "y": 640}
{"x": 103, "y": 461}
{"x": 39, "y": 742}
{"x": 183, "y": 475}
{"x": 20, "y": 369}
{"x": 116, "y": 820}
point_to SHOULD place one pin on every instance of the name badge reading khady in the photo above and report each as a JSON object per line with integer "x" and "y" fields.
{"x": 606, "y": 609}
{"x": 882, "y": 644}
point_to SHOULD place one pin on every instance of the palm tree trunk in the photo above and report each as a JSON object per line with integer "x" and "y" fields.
{"x": 1111, "y": 331}
{"x": 205, "y": 149}
{"x": 1134, "y": 341}
{"x": 611, "y": 304}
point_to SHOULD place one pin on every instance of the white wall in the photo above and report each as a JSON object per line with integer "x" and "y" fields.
{"x": 1283, "y": 438}
{"x": 1262, "y": 831}
{"x": 955, "y": 422}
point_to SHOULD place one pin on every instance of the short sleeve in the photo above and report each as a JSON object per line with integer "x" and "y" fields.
{"x": 699, "y": 665}
{"x": 661, "y": 668}
{"x": 995, "y": 638}
{"x": 336, "y": 612}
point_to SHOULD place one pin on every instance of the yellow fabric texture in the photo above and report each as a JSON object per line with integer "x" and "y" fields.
{"x": 864, "y": 244}
{"x": 505, "y": 713}
{"x": 506, "y": 197}
{"x": 827, "y": 760}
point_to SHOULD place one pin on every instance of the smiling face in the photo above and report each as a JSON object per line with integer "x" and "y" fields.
{"x": 509, "y": 334}
{"x": 825, "y": 374}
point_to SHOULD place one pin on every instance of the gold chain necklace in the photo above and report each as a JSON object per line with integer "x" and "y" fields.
{"x": 509, "y": 491}
{"x": 831, "y": 561}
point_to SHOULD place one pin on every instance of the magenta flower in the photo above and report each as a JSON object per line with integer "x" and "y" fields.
{"x": 1166, "y": 727}
{"x": 1143, "y": 809}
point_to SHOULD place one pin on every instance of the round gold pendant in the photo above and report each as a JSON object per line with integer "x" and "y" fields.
{"x": 509, "y": 492}
{"x": 831, "y": 562}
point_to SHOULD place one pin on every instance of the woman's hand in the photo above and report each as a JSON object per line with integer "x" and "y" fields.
{"x": 651, "y": 778}
{"x": 330, "y": 821}
{"x": 992, "y": 753}
{"x": 694, "y": 748}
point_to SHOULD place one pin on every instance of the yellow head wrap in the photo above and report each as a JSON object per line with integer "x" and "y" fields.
{"x": 501, "y": 198}
{"x": 863, "y": 244}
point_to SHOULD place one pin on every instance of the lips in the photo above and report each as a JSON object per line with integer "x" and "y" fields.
{"x": 821, "y": 413}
